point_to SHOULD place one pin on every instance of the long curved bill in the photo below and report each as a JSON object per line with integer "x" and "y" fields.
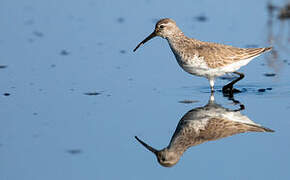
{"x": 147, "y": 146}
{"x": 152, "y": 35}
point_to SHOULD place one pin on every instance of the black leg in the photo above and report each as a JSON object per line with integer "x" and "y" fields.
{"x": 228, "y": 89}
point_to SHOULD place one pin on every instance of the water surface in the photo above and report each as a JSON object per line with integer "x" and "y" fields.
{"x": 74, "y": 95}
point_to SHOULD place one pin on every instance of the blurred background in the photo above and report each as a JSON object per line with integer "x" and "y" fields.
{"x": 73, "y": 94}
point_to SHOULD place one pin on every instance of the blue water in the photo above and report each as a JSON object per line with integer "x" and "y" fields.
{"x": 56, "y": 51}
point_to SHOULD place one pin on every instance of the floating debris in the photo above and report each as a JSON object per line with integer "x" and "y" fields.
{"x": 261, "y": 90}
{"x": 188, "y": 101}
{"x": 123, "y": 52}
{"x": 92, "y": 93}
{"x": 74, "y": 151}
{"x": 6, "y": 94}
{"x": 120, "y": 20}
{"x": 3, "y": 66}
{"x": 201, "y": 18}
{"x": 52, "y": 65}
{"x": 64, "y": 52}
{"x": 38, "y": 34}
{"x": 35, "y": 114}
{"x": 269, "y": 74}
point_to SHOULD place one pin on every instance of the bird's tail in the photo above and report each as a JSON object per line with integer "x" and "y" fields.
{"x": 259, "y": 128}
{"x": 267, "y": 129}
{"x": 267, "y": 49}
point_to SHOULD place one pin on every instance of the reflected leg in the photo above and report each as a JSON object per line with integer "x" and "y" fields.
{"x": 236, "y": 102}
{"x": 242, "y": 107}
{"x": 211, "y": 83}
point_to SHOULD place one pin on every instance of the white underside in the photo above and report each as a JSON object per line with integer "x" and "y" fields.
{"x": 200, "y": 118}
{"x": 212, "y": 73}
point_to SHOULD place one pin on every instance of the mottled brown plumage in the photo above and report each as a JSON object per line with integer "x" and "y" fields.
{"x": 218, "y": 55}
{"x": 200, "y": 58}
{"x": 216, "y": 128}
{"x": 200, "y": 125}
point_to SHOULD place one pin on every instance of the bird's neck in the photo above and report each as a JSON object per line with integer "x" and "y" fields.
{"x": 179, "y": 145}
{"x": 179, "y": 41}
{"x": 176, "y": 37}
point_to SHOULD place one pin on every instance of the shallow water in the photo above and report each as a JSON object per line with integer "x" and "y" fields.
{"x": 74, "y": 95}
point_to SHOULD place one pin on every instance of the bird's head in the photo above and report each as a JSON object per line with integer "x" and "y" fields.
{"x": 165, "y": 157}
{"x": 164, "y": 28}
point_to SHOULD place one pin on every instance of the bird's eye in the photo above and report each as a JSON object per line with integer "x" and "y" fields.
{"x": 161, "y": 26}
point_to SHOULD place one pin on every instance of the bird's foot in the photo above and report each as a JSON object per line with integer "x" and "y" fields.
{"x": 228, "y": 90}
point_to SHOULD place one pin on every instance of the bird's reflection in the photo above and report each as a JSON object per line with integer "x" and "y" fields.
{"x": 203, "y": 124}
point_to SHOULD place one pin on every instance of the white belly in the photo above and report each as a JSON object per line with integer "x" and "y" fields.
{"x": 199, "y": 68}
